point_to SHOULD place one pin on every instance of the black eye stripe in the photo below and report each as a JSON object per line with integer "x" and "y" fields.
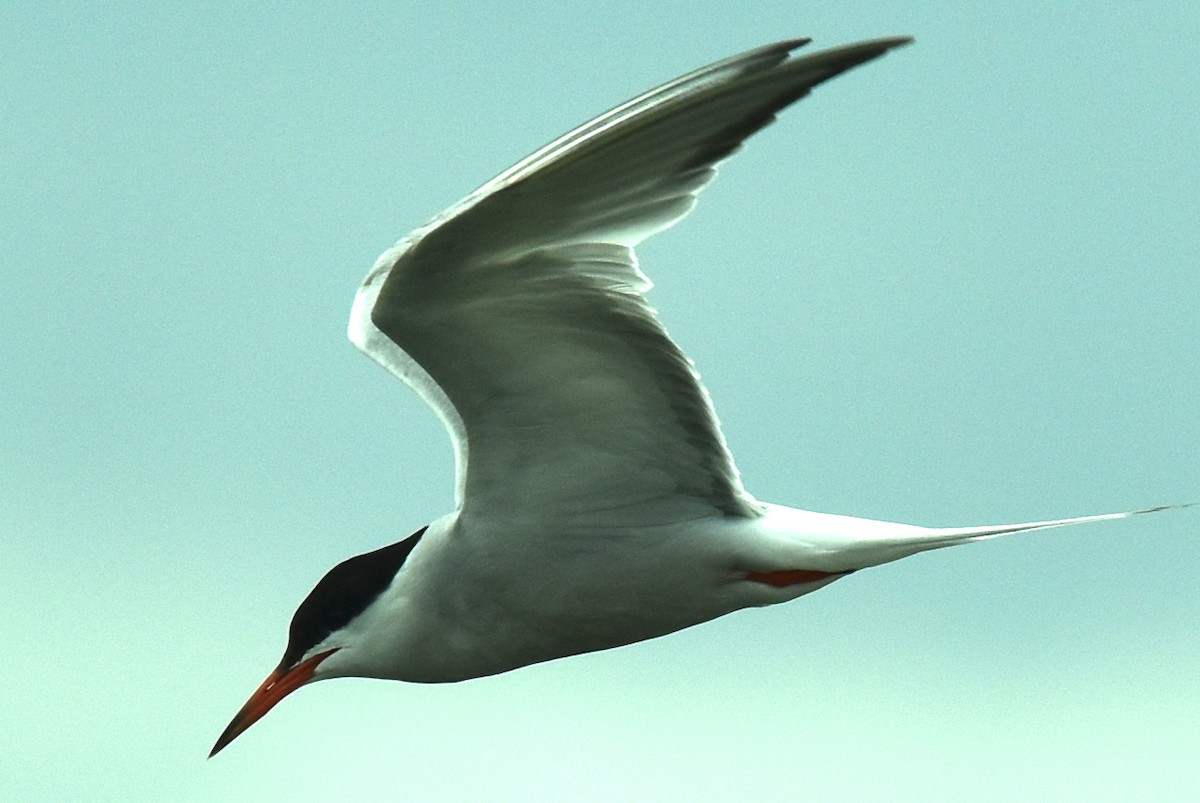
{"x": 343, "y": 593}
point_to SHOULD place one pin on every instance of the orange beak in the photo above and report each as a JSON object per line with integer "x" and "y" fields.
{"x": 279, "y": 684}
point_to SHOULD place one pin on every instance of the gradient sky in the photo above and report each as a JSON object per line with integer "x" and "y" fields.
{"x": 958, "y": 285}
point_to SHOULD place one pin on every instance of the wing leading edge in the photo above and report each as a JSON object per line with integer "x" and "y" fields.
{"x": 519, "y": 315}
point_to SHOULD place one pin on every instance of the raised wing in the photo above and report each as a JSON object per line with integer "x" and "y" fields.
{"x": 519, "y": 314}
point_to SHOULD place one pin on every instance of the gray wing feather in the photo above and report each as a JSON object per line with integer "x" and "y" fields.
{"x": 519, "y": 313}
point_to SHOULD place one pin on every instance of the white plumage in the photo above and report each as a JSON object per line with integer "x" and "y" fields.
{"x": 598, "y": 503}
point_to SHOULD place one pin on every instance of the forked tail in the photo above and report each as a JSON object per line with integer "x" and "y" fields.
{"x": 937, "y": 537}
{"x": 979, "y": 533}
{"x": 887, "y": 547}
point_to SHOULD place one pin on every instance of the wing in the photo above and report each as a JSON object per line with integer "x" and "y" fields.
{"x": 519, "y": 315}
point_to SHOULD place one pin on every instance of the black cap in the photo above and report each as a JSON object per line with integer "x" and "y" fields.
{"x": 344, "y": 593}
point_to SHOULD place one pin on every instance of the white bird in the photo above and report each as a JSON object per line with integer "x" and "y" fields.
{"x": 597, "y": 502}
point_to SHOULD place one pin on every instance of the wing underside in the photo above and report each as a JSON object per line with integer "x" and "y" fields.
{"x": 519, "y": 314}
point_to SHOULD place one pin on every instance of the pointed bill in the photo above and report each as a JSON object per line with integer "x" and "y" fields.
{"x": 279, "y": 684}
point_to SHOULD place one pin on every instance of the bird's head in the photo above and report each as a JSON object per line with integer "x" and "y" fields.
{"x": 322, "y": 638}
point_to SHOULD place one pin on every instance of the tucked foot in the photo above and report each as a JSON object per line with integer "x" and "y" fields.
{"x": 792, "y": 577}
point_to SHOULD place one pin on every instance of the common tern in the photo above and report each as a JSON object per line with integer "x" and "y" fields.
{"x": 597, "y": 502}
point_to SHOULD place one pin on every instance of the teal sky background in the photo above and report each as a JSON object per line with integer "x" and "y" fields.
{"x": 958, "y": 285}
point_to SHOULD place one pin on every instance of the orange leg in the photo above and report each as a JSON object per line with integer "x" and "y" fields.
{"x": 791, "y": 577}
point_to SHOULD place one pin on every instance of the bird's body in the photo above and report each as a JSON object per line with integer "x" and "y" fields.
{"x": 487, "y": 597}
{"x": 476, "y": 598}
{"x": 598, "y": 504}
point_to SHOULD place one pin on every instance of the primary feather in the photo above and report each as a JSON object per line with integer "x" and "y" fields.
{"x": 519, "y": 313}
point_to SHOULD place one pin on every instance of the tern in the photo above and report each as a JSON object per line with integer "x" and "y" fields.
{"x": 597, "y": 502}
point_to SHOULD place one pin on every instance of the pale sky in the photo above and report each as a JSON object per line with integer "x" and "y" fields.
{"x": 959, "y": 285}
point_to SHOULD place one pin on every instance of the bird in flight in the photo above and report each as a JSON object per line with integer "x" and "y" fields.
{"x": 597, "y": 502}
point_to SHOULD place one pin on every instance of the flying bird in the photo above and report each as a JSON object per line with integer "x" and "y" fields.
{"x": 597, "y": 502}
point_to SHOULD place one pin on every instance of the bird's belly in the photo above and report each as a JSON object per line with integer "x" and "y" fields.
{"x": 499, "y": 600}
{"x": 513, "y": 607}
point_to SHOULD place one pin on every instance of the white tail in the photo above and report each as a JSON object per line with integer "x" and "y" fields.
{"x": 893, "y": 542}
{"x": 938, "y": 537}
